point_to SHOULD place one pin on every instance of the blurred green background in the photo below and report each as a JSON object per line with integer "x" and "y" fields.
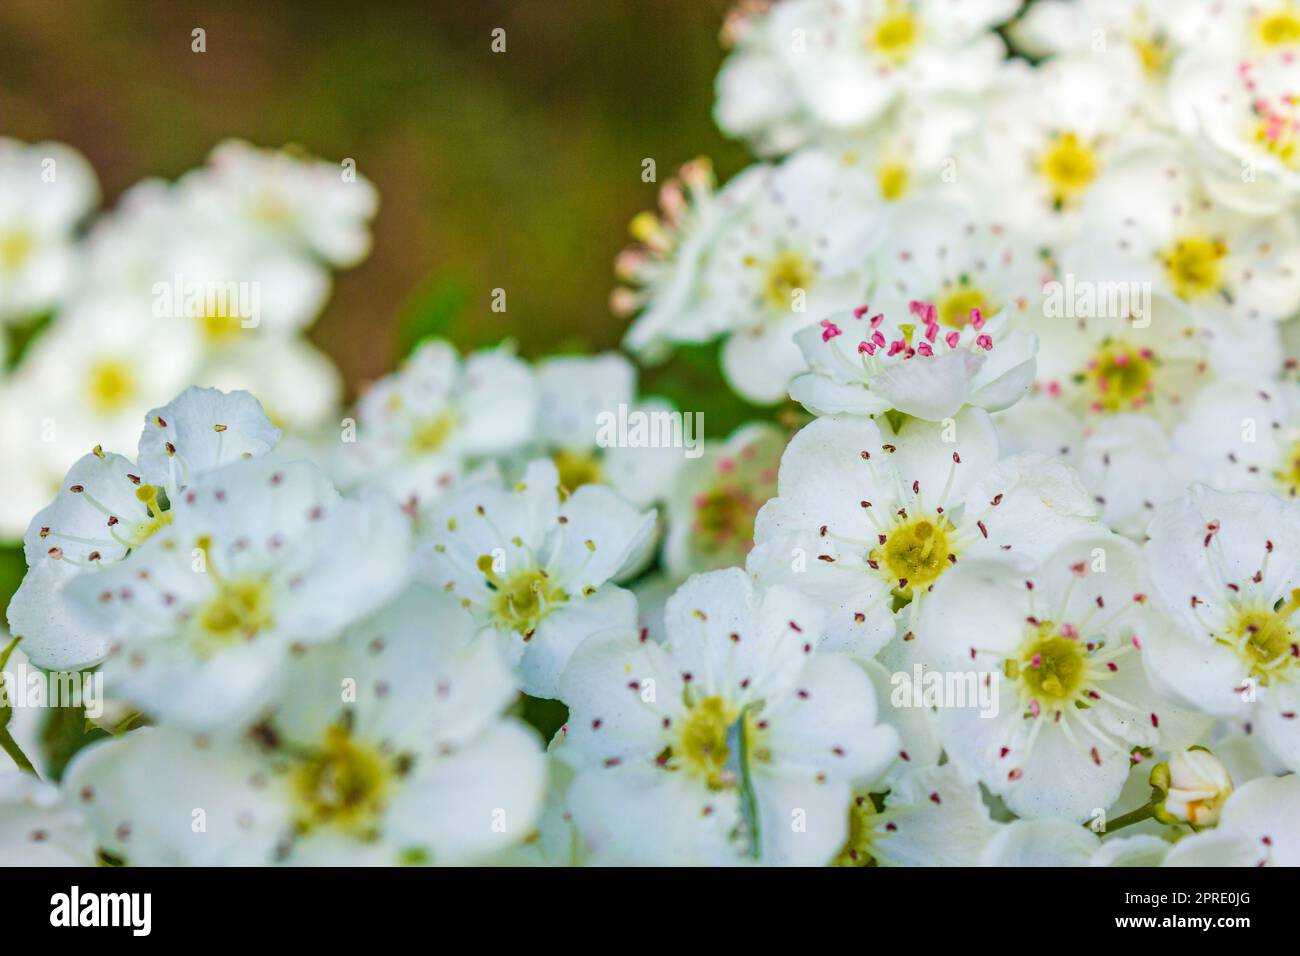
{"x": 517, "y": 170}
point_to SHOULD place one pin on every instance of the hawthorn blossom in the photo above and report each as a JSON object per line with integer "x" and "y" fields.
{"x": 736, "y": 741}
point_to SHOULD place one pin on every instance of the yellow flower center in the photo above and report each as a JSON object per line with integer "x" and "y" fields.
{"x": 1122, "y": 377}
{"x": 1069, "y": 166}
{"x": 1281, "y": 27}
{"x": 701, "y": 745}
{"x": 429, "y": 436}
{"x": 1153, "y": 54}
{"x": 240, "y": 609}
{"x": 219, "y": 326}
{"x": 577, "y": 468}
{"x": 110, "y": 385}
{"x": 1289, "y": 474}
{"x": 1051, "y": 669}
{"x": 158, "y": 518}
{"x": 346, "y": 785}
{"x": 787, "y": 272}
{"x": 1279, "y": 135}
{"x": 955, "y": 307}
{"x": 523, "y": 600}
{"x": 1264, "y": 640}
{"x": 914, "y": 553}
{"x": 15, "y": 247}
{"x": 1192, "y": 266}
{"x": 893, "y": 36}
{"x": 863, "y": 820}
{"x": 893, "y": 180}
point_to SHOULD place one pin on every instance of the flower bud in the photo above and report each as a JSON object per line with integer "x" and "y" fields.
{"x": 1195, "y": 785}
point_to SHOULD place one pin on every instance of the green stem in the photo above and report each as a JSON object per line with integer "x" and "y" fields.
{"x": 1133, "y": 816}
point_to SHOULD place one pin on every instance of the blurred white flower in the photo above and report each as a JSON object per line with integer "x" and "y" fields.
{"x": 391, "y": 750}
{"x": 418, "y": 428}
{"x": 803, "y": 68}
{"x": 46, "y": 189}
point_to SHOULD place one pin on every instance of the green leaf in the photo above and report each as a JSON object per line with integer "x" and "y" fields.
{"x": 64, "y": 733}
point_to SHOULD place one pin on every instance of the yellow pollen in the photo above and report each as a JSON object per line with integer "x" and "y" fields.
{"x": 892, "y": 180}
{"x": 1122, "y": 377}
{"x": 346, "y": 785}
{"x": 894, "y": 35}
{"x": 241, "y": 609}
{"x": 863, "y": 820}
{"x": 1069, "y": 166}
{"x": 1192, "y": 266}
{"x": 1288, "y": 476}
{"x": 1264, "y": 639}
{"x": 701, "y": 746}
{"x": 1281, "y": 27}
{"x": 577, "y": 468}
{"x": 429, "y": 436}
{"x": 954, "y": 307}
{"x": 15, "y": 247}
{"x": 523, "y": 600}
{"x": 915, "y": 552}
{"x": 110, "y": 385}
{"x": 787, "y": 272}
{"x": 158, "y": 518}
{"x": 1052, "y": 669}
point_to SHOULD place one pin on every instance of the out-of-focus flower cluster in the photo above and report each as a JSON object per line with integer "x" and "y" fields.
{"x": 1011, "y": 577}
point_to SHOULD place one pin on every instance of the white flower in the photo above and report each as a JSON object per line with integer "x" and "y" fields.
{"x": 576, "y": 396}
{"x": 733, "y": 742}
{"x": 321, "y": 208}
{"x": 418, "y": 427}
{"x": 799, "y": 251}
{"x": 107, "y": 506}
{"x": 1258, "y": 827}
{"x": 806, "y": 67}
{"x": 92, "y": 376}
{"x": 1225, "y": 568}
{"x": 254, "y": 558}
{"x": 716, "y": 497}
{"x": 869, "y": 518}
{"x": 297, "y": 383}
{"x": 391, "y": 749}
{"x": 1244, "y": 435}
{"x": 939, "y": 253}
{"x": 45, "y": 191}
{"x": 1055, "y": 842}
{"x": 662, "y": 269}
{"x": 1060, "y": 646}
{"x": 1197, "y": 785}
{"x": 536, "y": 568}
{"x": 1148, "y": 220}
{"x": 1046, "y": 138}
{"x": 37, "y": 828}
{"x": 1242, "y": 115}
{"x": 867, "y": 364}
{"x": 929, "y": 817}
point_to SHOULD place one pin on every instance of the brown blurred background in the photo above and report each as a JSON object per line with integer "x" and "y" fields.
{"x": 517, "y": 170}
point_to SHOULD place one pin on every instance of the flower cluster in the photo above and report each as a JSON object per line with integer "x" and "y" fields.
{"x": 209, "y": 280}
{"x": 1011, "y": 577}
